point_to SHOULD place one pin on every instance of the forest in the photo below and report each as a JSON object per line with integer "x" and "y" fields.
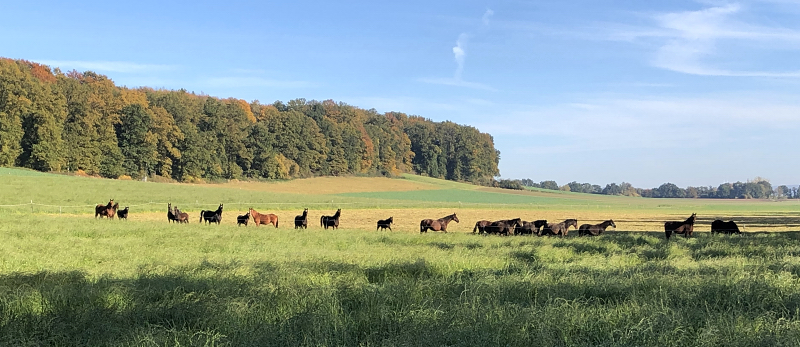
{"x": 82, "y": 122}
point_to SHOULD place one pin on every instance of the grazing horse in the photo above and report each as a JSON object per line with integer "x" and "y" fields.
{"x": 101, "y": 210}
{"x": 559, "y": 228}
{"x": 243, "y": 219}
{"x": 265, "y": 219}
{"x": 123, "y": 213}
{"x": 181, "y": 217}
{"x": 728, "y": 227}
{"x": 529, "y": 228}
{"x": 504, "y": 227}
{"x": 211, "y": 216}
{"x": 595, "y": 229}
{"x": 301, "y": 221}
{"x": 436, "y": 224}
{"x": 480, "y": 226}
{"x": 686, "y": 227}
{"x": 331, "y": 221}
{"x": 384, "y": 224}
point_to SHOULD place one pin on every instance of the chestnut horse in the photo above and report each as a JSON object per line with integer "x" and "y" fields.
{"x": 595, "y": 229}
{"x": 436, "y": 224}
{"x": 102, "y": 210}
{"x": 686, "y": 227}
{"x": 265, "y": 219}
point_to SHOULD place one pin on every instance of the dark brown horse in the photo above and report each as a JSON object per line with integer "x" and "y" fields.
{"x": 559, "y": 228}
{"x": 729, "y": 227}
{"x": 212, "y": 216}
{"x": 686, "y": 227}
{"x": 384, "y": 224}
{"x": 181, "y": 217}
{"x": 243, "y": 219}
{"x": 529, "y": 228}
{"x": 595, "y": 229}
{"x": 480, "y": 226}
{"x": 331, "y": 221}
{"x": 123, "y": 213}
{"x": 436, "y": 224}
{"x": 301, "y": 221}
{"x": 102, "y": 210}
{"x": 504, "y": 227}
{"x": 265, "y": 219}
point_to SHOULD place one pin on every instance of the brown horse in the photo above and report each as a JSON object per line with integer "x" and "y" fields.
{"x": 559, "y": 228}
{"x": 101, "y": 210}
{"x": 686, "y": 227}
{"x": 504, "y": 227}
{"x": 480, "y": 226}
{"x": 529, "y": 228}
{"x": 181, "y": 217}
{"x": 265, "y": 219}
{"x": 331, "y": 221}
{"x": 595, "y": 229}
{"x": 436, "y": 224}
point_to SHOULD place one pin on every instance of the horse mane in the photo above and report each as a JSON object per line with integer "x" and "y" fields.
{"x": 337, "y": 214}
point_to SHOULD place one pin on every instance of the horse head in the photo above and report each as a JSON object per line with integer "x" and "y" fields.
{"x": 455, "y": 218}
{"x": 612, "y": 223}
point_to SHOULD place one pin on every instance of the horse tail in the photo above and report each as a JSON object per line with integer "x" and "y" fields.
{"x": 276, "y": 222}
{"x": 321, "y": 220}
{"x": 476, "y": 227}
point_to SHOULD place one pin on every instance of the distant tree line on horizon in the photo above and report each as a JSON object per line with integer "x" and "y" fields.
{"x": 54, "y": 121}
{"x": 757, "y": 188}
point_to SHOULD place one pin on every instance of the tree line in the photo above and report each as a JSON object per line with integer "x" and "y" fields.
{"x": 758, "y": 188}
{"x": 55, "y": 121}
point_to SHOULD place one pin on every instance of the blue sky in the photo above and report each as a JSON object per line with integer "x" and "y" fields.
{"x": 688, "y": 92}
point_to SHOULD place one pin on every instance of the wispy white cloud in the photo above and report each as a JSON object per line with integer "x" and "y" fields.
{"x": 107, "y": 66}
{"x": 700, "y": 42}
{"x": 460, "y": 55}
{"x": 487, "y": 16}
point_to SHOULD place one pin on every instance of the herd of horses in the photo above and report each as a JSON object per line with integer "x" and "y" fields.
{"x": 110, "y": 210}
{"x": 504, "y": 227}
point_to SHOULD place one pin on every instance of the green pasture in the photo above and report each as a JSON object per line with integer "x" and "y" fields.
{"x": 71, "y": 280}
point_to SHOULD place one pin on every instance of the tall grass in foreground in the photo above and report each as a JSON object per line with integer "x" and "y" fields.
{"x": 73, "y": 281}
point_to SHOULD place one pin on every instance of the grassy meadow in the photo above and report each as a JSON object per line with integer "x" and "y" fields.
{"x": 67, "y": 279}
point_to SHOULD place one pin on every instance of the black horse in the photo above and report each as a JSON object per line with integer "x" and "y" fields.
{"x": 211, "y": 216}
{"x": 559, "y": 228}
{"x": 123, "y": 213}
{"x": 384, "y": 224}
{"x": 595, "y": 229}
{"x": 331, "y": 221}
{"x": 171, "y": 215}
{"x": 529, "y": 228}
{"x": 728, "y": 227}
{"x": 243, "y": 219}
{"x": 686, "y": 227}
{"x": 301, "y": 221}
